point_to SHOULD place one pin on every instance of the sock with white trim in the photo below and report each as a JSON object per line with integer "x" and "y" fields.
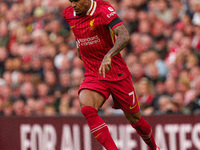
{"x": 98, "y": 127}
{"x": 143, "y": 128}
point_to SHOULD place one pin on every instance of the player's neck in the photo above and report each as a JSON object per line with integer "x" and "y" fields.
{"x": 87, "y": 8}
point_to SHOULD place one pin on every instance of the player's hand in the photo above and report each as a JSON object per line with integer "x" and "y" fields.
{"x": 105, "y": 65}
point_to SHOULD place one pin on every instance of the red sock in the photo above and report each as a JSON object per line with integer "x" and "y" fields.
{"x": 98, "y": 127}
{"x": 143, "y": 128}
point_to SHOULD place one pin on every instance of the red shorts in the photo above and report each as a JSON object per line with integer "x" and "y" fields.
{"x": 123, "y": 92}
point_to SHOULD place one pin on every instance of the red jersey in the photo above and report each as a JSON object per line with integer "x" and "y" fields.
{"x": 95, "y": 39}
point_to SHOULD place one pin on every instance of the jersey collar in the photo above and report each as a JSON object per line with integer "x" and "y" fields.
{"x": 91, "y": 10}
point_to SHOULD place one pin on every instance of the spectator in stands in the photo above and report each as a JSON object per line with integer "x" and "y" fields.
{"x": 64, "y": 82}
{"x": 49, "y": 110}
{"x": 42, "y": 91}
{"x": 16, "y": 93}
{"x": 152, "y": 72}
{"x": 183, "y": 84}
{"x": 3, "y": 57}
{"x": 145, "y": 92}
{"x": 76, "y": 108}
{"x": 170, "y": 85}
{"x": 155, "y": 59}
{"x": 178, "y": 100}
{"x": 190, "y": 95}
{"x": 51, "y": 80}
{"x": 160, "y": 46}
{"x": 19, "y": 108}
{"x": 131, "y": 60}
{"x": 65, "y": 65}
{"x": 4, "y": 36}
{"x": 8, "y": 109}
{"x": 6, "y": 93}
{"x": 64, "y": 105}
{"x": 64, "y": 52}
{"x": 30, "y": 107}
{"x": 160, "y": 90}
{"x": 36, "y": 67}
{"x": 77, "y": 63}
{"x": 137, "y": 71}
{"x": 77, "y": 76}
{"x": 7, "y": 76}
{"x": 165, "y": 105}
{"x": 194, "y": 106}
{"x": 39, "y": 107}
{"x": 163, "y": 12}
{"x": 27, "y": 90}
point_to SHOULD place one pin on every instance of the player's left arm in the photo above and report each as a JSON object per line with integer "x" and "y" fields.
{"x": 122, "y": 40}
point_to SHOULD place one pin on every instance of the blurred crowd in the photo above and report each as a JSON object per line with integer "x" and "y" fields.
{"x": 40, "y": 72}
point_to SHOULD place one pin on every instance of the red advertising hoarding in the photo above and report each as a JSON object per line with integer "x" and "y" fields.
{"x": 172, "y": 132}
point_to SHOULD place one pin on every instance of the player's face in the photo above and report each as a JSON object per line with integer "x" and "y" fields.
{"x": 80, "y": 6}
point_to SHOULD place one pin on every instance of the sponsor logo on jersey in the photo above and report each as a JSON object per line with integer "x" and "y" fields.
{"x": 88, "y": 41}
{"x": 110, "y": 8}
{"x": 111, "y": 14}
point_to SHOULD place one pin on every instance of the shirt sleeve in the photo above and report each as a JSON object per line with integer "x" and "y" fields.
{"x": 115, "y": 22}
{"x": 108, "y": 13}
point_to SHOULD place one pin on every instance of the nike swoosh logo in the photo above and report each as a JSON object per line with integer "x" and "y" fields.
{"x": 131, "y": 107}
{"x": 73, "y": 26}
{"x": 97, "y": 135}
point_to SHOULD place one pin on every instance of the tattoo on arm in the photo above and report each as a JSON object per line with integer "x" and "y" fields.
{"x": 121, "y": 41}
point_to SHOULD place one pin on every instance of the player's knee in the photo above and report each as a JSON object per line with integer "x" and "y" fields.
{"x": 88, "y": 111}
